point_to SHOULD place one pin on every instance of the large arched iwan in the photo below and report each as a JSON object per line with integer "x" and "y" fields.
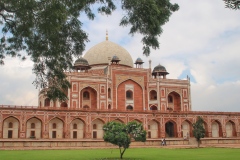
{"x": 137, "y": 95}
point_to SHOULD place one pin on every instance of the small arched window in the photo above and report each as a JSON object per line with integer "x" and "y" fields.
{"x": 10, "y": 125}
{"x": 86, "y": 95}
{"x": 64, "y": 104}
{"x": 109, "y": 93}
{"x": 74, "y": 87}
{"x": 129, "y": 94}
{"x": 109, "y": 106}
{"x": 102, "y": 89}
{"x": 129, "y": 107}
{"x": 94, "y": 126}
{"x": 32, "y": 125}
{"x": 153, "y": 95}
{"x": 54, "y": 125}
{"x": 86, "y": 107}
{"x": 74, "y": 126}
{"x": 170, "y": 99}
{"x": 153, "y": 108}
{"x": 47, "y": 102}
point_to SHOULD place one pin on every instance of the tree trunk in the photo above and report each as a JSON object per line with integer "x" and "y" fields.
{"x": 122, "y": 152}
{"x": 198, "y": 142}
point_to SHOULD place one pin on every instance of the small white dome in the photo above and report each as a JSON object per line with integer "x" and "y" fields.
{"x": 100, "y": 53}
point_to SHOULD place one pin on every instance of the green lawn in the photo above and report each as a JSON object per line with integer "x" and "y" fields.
{"x": 131, "y": 154}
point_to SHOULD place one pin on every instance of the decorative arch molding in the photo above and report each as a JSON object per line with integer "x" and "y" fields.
{"x": 169, "y": 90}
{"x": 85, "y": 85}
{"x": 11, "y": 117}
{"x": 137, "y": 120}
{"x": 118, "y": 120}
{"x": 122, "y": 120}
{"x": 153, "y": 119}
{"x": 40, "y": 119}
{"x": 77, "y": 119}
{"x": 56, "y": 118}
{"x": 122, "y": 78}
{"x": 153, "y": 107}
{"x": 99, "y": 120}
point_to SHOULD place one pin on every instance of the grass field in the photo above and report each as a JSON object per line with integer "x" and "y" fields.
{"x": 130, "y": 154}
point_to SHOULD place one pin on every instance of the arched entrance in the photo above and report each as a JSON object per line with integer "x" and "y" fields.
{"x": 152, "y": 129}
{"x": 34, "y": 128}
{"x": 10, "y": 128}
{"x": 153, "y": 108}
{"x": 97, "y": 131}
{"x": 170, "y": 129}
{"x": 216, "y": 129}
{"x": 230, "y": 129}
{"x": 77, "y": 129}
{"x": 88, "y": 98}
{"x": 174, "y": 101}
{"x": 186, "y": 129}
{"x": 56, "y": 128}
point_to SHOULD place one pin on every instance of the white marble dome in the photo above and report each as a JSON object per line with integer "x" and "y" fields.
{"x": 100, "y": 54}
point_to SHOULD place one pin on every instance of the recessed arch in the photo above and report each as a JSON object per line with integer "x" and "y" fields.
{"x": 64, "y": 105}
{"x": 56, "y": 126}
{"x": 216, "y": 128}
{"x": 133, "y": 95}
{"x": 153, "y": 95}
{"x": 97, "y": 131}
{"x": 186, "y": 127}
{"x": 34, "y": 128}
{"x": 109, "y": 93}
{"x": 47, "y": 102}
{"x": 170, "y": 129}
{"x": 11, "y": 127}
{"x": 230, "y": 129}
{"x": 129, "y": 95}
{"x": 153, "y": 108}
{"x": 88, "y": 97}
{"x": 174, "y": 101}
{"x": 153, "y": 130}
{"x": 77, "y": 129}
{"x": 129, "y": 108}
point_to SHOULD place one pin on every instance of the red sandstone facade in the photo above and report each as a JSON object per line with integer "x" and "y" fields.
{"x": 104, "y": 89}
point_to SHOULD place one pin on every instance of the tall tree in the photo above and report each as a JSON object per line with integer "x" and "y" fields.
{"x": 50, "y": 32}
{"x": 198, "y": 130}
{"x": 233, "y": 4}
{"x": 120, "y": 134}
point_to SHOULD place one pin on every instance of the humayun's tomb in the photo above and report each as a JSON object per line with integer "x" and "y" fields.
{"x": 107, "y": 85}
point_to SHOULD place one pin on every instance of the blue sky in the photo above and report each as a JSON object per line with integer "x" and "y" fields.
{"x": 201, "y": 40}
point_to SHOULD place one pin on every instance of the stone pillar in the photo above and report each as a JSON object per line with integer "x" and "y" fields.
{"x": 209, "y": 134}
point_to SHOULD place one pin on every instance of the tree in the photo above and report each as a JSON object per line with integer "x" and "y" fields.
{"x": 120, "y": 134}
{"x": 198, "y": 130}
{"x": 233, "y": 4}
{"x": 50, "y": 32}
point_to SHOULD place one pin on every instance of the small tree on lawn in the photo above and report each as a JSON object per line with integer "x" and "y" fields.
{"x": 198, "y": 130}
{"x": 121, "y": 134}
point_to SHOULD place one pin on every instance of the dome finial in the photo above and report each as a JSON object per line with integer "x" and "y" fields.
{"x": 106, "y": 35}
